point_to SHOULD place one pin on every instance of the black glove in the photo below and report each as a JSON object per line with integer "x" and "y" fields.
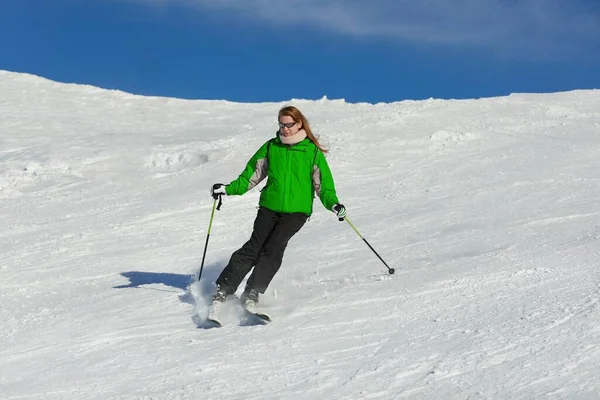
{"x": 340, "y": 211}
{"x": 217, "y": 189}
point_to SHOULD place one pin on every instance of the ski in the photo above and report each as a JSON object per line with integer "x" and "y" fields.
{"x": 262, "y": 316}
{"x": 215, "y": 322}
{"x": 248, "y": 309}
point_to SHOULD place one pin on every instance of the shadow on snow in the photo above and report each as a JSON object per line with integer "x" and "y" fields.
{"x": 181, "y": 282}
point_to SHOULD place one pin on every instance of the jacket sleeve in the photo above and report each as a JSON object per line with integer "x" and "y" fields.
{"x": 252, "y": 175}
{"x": 323, "y": 181}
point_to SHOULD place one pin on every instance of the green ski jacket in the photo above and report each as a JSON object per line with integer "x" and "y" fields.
{"x": 295, "y": 173}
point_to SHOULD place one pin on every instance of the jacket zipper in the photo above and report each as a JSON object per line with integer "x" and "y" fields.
{"x": 286, "y": 187}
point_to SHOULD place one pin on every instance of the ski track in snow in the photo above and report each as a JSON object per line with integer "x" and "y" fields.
{"x": 488, "y": 210}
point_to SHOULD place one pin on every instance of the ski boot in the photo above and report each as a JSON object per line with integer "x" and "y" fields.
{"x": 217, "y": 301}
{"x": 249, "y": 299}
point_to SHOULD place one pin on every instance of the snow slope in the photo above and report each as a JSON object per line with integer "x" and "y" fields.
{"x": 488, "y": 210}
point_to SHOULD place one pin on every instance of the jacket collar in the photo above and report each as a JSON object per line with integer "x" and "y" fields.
{"x": 302, "y": 143}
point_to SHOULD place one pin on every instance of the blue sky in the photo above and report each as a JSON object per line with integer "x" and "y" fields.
{"x": 275, "y": 50}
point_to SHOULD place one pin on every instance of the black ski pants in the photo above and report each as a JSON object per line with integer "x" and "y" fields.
{"x": 264, "y": 251}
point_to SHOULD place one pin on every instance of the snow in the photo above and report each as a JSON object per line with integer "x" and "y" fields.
{"x": 488, "y": 209}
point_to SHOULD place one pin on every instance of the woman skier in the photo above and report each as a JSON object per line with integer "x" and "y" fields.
{"x": 295, "y": 167}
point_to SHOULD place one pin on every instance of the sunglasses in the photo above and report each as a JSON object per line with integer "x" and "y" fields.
{"x": 288, "y": 125}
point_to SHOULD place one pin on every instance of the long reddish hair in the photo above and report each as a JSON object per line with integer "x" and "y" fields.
{"x": 297, "y": 116}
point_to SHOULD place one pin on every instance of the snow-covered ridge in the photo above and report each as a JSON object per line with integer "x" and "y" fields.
{"x": 488, "y": 209}
{"x": 26, "y": 80}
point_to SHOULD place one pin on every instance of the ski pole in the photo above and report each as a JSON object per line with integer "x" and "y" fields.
{"x": 391, "y": 270}
{"x": 212, "y": 214}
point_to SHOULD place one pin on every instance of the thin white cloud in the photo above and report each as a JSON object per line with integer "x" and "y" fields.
{"x": 545, "y": 27}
